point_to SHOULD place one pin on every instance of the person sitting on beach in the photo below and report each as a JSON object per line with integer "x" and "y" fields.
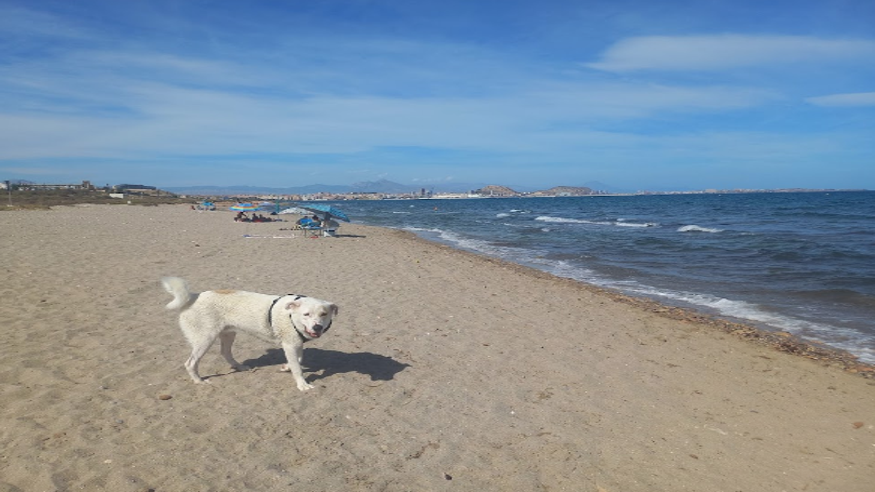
{"x": 241, "y": 217}
{"x": 308, "y": 223}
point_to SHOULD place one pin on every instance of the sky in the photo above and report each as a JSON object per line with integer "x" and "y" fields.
{"x": 632, "y": 94}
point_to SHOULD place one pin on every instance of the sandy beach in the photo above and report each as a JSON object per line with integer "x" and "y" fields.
{"x": 443, "y": 371}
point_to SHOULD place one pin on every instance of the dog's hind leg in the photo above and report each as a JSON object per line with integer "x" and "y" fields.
{"x": 227, "y": 339}
{"x": 198, "y": 349}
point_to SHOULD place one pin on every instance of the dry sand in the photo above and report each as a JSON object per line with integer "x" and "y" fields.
{"x": 444, "y": 371}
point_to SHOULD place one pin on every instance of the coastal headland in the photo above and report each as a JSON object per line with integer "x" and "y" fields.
{"x": 444, "y": 370}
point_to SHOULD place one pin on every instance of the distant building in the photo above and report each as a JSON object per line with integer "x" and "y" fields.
{"x": 136, "y": 189}
{"x": 85, "y": 185}
{"x": 126, "y": 187}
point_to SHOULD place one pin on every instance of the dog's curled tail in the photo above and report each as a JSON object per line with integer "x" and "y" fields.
{"x": 178, "y": 288}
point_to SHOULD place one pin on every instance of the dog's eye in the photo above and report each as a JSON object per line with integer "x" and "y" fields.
{"x": 307, "y": 315}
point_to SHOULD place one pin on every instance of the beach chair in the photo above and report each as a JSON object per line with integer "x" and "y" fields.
{"x": 329, "y": 229}
{"x": 311, "y": 231}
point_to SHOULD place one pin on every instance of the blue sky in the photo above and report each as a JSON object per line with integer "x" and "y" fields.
{"x": 658, "y": 95}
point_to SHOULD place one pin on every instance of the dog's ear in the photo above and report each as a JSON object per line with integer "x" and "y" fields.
{"x": 333, "y": 308}
{"x": 292, "y": 305}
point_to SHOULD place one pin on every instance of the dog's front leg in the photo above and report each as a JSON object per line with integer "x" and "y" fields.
{"x": 294, "y": 354}
{"x": 227, "y": 338}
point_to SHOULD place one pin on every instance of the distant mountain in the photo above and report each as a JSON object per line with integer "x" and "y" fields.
{"x": 255, "y": 190}
{"x": 382, "y": 186}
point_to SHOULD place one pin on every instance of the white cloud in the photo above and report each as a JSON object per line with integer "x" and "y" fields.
{"x": 845, "y": 100}
{"x": 721, "y": 52}
{"x": 161, "y": 119}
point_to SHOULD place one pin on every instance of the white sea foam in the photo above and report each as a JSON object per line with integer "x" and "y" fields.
{"x": 544, "y": 218}
{"x": 695, "y": 228}
{"x": 502, "y": 215}
{"x": 468, "y": 243}
{"x": 618, "y": 223}
{"x": 636, "y": 224}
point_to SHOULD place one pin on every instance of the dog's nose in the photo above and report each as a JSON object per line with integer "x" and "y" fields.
{"x": 317, "y": 328}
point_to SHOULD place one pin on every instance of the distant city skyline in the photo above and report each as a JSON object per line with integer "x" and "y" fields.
{"x": 662, "y": 96}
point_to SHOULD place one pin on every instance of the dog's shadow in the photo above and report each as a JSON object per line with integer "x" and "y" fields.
{"x": 322, "y": 363}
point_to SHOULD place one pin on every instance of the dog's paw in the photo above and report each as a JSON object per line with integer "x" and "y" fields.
{"x": 305, "y": 386}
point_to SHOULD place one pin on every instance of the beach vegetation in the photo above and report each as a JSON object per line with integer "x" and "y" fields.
{"x": 24, "y": 199}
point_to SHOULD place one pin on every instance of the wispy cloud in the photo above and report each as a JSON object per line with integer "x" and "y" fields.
{"x": 25, "y": 24}
{"x": 725, "y": 52}
{"x": 844, "y": 100}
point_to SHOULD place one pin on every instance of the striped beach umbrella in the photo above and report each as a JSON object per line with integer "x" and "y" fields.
{"x": 245, "y": 207}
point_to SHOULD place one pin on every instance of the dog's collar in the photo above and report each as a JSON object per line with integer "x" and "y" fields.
{"x": 270, "y": 316}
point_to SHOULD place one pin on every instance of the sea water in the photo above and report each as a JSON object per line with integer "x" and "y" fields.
{"x": 797, "y": 262}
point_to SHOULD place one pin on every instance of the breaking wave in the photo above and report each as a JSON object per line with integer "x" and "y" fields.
{"x": 695, "y": 228}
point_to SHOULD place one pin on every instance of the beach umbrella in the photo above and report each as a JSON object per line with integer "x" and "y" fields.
{"x": 325, "y": 209}
{"x": 244, "y": 207}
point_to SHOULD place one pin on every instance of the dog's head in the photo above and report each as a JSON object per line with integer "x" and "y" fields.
{"x": 312, "y": 317}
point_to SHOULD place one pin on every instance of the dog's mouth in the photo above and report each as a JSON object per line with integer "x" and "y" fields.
{"x": 313, "y": 333}
{"x": 316, "y": 330}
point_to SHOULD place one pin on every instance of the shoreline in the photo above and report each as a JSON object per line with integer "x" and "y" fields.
{"x": 781, "y": 341}
{"x": 444, "y": 368}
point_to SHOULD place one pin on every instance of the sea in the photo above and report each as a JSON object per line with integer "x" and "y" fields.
{"x": 803, "y": 262}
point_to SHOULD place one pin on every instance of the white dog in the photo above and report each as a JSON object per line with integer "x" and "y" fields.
{"x": 289, "y": 320}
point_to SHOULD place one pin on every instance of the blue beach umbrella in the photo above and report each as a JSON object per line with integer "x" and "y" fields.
{"x": 325, "y": 209}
